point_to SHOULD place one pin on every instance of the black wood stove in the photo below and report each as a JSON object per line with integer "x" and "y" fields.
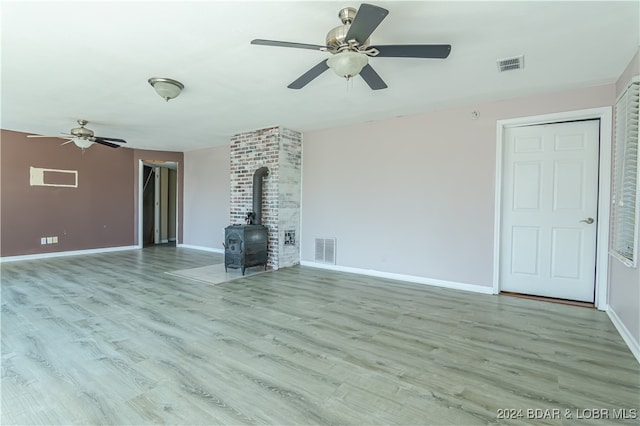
{"x": 246, "y": 245}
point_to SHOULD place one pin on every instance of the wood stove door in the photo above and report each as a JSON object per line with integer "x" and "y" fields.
{"x": 233, "y": 256}
{"x": 234, "y": 242}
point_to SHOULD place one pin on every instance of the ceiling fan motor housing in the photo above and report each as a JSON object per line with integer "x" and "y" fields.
{"x": 82, "y": 132}
{"x": 336, "y": 38}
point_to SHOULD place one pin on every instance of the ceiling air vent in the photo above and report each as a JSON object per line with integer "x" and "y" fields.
{"x": 508, "y": 64}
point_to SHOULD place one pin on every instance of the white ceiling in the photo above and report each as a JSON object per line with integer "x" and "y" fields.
{"x": 63, "y": 61}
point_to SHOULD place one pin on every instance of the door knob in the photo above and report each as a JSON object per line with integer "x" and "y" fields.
{"x": 588, "y": 220}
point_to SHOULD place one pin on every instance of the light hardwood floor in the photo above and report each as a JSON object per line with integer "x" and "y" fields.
{"x": 112, "y": 339}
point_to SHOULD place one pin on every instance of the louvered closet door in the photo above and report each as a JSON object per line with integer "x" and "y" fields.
{"x": 549, "y": 210}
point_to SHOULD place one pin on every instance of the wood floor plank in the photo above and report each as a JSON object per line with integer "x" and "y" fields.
{"x": 113, "y": 339}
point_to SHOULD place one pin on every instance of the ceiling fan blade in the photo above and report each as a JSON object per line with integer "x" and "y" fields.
{"x": 435, "y": 51}
{"x": 371, "y": 77}
{"x": 111, "y": 139}
{"x": 366, "y": 21}
{"x": 305, "y": 78}
{"x": 104, "y": 142}
{"x": 288, "y": 44}
{"x": 64, "y": 143}
{"x": 47, "y": 136}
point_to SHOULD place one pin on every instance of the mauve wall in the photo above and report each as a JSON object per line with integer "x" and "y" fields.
{"x": 206, "y": 197}
{"x": 624, "y": 287}
{"x": 96, "y": 214}
{"x": 416, "y": 195}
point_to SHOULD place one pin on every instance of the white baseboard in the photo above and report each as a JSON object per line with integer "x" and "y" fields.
{"x": 633, "y": 345}
{"x": 401, "y": 277}
{"x": 65, "y": 253}
{"x": 210, "y": 249}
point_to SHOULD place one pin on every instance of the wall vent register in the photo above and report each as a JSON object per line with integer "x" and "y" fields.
{"x": 325, "y": 250}
{"x": 509, "y": 64}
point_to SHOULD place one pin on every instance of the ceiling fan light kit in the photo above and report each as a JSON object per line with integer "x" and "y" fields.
{"x": 81, "y": 143}
{"x": 350, "y": 48}
{"x": 165, "y": 87}
{"x": 347, "y": 64}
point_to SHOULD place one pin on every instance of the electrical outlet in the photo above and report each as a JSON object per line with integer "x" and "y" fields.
{"x": 49, "y": 240}
{"x": 43, "y": 240}
{"x": 55, "y": 240}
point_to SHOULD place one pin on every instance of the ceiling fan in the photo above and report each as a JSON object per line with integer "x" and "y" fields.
{"x": 350, "y": 47}
{"x": 83, "y": 137}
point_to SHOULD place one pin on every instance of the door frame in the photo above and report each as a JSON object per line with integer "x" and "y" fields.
{"x": 605, "y": 115}
{"x": 155, "y": 164}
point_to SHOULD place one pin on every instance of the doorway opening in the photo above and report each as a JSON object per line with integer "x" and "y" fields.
{"x": 158, "y": 217}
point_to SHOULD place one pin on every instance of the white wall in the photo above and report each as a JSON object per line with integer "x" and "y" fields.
{"x": 206, "y": 197}
{"x": 415, "y": 195}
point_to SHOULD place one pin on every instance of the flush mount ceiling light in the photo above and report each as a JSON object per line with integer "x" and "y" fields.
{"x": 166, "y": 87}
{"x": 347, "y": 64}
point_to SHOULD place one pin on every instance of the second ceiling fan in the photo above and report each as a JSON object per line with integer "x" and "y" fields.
{"x": 84, "y": 138}
{"x": 350, "y": 48}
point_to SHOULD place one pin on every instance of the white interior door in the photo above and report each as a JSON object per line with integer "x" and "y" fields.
{"x": 549, "y": 210}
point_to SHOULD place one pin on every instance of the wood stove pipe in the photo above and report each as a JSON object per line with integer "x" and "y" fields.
{"x": 257, "y": 194}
